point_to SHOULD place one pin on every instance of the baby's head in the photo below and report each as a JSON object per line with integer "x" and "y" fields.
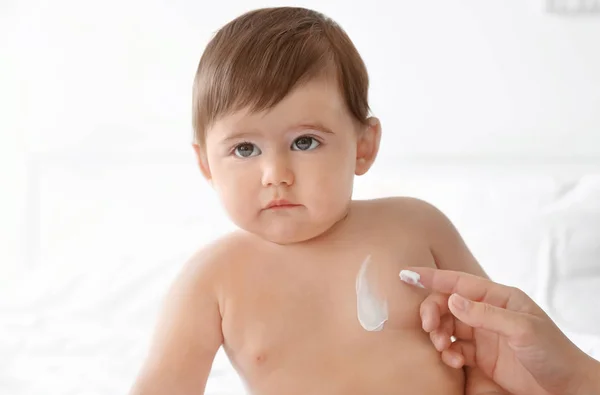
{"x": 281, "y": 116}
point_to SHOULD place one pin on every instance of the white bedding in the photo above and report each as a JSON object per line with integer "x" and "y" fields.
{"x": 105, "y": 240}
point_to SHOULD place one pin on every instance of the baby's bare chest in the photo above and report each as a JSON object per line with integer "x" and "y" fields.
{"x": 284, "y": 307}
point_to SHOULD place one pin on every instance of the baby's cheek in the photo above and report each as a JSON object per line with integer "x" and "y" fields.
{"x": 326, "y": 189}
{"x": 238, "y": 206}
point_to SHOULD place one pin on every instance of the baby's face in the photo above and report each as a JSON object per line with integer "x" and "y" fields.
{"x": 286, "y": 174}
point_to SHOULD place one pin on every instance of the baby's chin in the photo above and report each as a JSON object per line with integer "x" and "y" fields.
{"x": 285, "y": 228}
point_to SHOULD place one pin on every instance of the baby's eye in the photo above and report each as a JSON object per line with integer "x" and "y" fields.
{"x": 305, "y": 143}
{"x": 246, "y": 150}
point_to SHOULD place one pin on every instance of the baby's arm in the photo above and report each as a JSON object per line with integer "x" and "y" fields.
{"x": 187, "y": 336}
{"x": 447, "y": 246}
{"x": 451, "y": 253}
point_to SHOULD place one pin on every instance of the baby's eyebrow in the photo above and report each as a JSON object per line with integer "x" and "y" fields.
{"x": 313, "y": 125}
{"x": 236, "y": 135}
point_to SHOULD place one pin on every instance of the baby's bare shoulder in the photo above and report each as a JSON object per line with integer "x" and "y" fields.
{"x": 188, "y": 331}
{"x": 424, "y": 222}
{"x": 212, "y": 260}
{"x": 404, "y": 211}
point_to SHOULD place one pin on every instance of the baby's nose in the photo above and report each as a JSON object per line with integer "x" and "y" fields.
{"x": 276, "y": 171}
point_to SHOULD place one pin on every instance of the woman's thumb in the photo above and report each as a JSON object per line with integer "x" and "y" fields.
{"x": 483, "y": 315}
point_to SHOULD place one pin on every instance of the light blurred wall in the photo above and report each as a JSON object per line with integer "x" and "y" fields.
{"x": 452, "y": 81}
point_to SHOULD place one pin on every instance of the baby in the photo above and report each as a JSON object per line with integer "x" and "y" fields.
{"x": 305, "y": 297}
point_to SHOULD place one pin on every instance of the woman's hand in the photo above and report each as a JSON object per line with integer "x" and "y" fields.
{"x": 504, "y": 333}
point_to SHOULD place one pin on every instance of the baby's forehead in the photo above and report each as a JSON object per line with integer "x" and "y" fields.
{"x": 316, "y": 102}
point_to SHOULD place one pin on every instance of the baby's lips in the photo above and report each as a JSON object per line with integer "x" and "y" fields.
{"x": 412, "y": 278}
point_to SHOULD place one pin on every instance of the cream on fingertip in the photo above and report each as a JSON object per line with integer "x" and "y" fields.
{"x": 410, "y": 277}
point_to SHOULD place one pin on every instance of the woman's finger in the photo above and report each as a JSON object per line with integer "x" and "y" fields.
{"x": 441, "y": 336}
{"x": 462, "y": 331}
{"x": 438, "y": 321}
{"x": 432, "y": 309}
{"x": 511, "y": 324}
{"x": 460, "y": 353}
{"x": 469, "y": 286}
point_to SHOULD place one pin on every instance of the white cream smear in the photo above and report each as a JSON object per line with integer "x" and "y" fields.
{"x": 372, "y": 311}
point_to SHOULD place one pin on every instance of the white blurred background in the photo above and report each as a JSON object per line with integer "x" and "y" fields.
{"x": 490, "y": 110}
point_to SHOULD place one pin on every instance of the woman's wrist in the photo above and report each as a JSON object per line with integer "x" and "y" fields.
{"x": 596, "y": 378}
{"x": 591, "y": 384}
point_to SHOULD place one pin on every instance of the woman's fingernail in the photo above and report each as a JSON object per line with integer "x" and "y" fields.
{"x": 439, "y": 341}
{"x": 410, "y": 277}
{"x": 459, "y": 302}
{"x": 425, "y": 323}
{"x": 456, "y": 362}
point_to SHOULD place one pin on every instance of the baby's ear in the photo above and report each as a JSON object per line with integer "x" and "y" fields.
{"x": 202, "y": 161}
{"x": 367, "y": 145}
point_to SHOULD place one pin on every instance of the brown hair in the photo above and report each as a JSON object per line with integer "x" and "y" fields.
{"x": 258, "y": 58}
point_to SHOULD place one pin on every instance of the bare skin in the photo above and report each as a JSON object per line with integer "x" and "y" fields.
{"x": 286, "y": 314}
{"x": 504, "y": 332}
{"x": 279, "y": 295}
